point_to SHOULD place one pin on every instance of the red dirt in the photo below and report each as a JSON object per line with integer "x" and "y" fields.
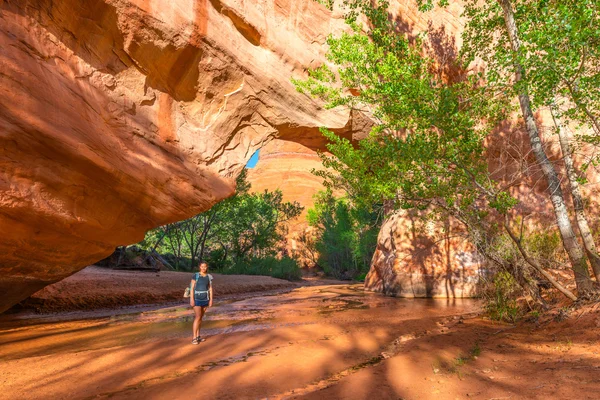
{"x": 94, "y": 288}
{"x": 479, "y": 359}
{"x": 320, "y": 342}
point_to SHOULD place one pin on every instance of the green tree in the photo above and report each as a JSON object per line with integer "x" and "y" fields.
{"x": 212, "y": 219}
{"x": 253, "y": 225}
{"x": 558, "y": 51}
{"x": 346, "y": 235}
{"x": 427, "y": 150}
{"x": 187, "y": 240}
{"x": 546, "y": 54}
{"x": 243, "y": 226}
{"x": 427, "y": 146}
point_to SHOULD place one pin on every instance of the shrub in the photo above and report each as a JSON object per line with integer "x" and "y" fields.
{"x": 284, "y": 268}
{"x": 216, "y": 259}
{"x": 361, "y": 277}
{"x": 345, "y": 235}
{"x": 501, "y": 303}
{"x": 546, "y": 246}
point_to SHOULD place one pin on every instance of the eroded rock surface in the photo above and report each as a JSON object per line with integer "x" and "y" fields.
{"x": 414, "y": 258}
{"x": 408, "y": 261}
{"x": 120, "y": 115}
{"x": 287, "y": 166}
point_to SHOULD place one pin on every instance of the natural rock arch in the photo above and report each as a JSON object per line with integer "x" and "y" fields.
{"x": 120, "y": 115}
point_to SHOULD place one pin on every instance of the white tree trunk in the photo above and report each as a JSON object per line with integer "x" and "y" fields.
{"x": 582, "y": 224}
{"x": 576, "y": 256}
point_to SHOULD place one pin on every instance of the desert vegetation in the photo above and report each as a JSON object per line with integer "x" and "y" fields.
{"x": 439, "y": 122}
{"x": 240, "y": 235}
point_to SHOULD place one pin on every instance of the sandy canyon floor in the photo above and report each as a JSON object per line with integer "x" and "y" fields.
{"x": 313, "y": 342}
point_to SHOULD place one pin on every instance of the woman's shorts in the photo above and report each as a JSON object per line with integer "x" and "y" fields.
{"x": 201, "y": 303}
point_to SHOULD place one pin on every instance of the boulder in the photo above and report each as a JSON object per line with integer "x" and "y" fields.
{"x": 418, "y": 258}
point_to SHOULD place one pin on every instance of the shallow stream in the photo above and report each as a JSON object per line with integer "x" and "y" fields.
{"x": 299, "y": 316}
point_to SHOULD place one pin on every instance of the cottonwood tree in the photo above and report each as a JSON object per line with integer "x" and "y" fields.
{"x": 254, "y": 224}
{"x": 427, "y": 149}
{"x": 212, "y": 220}
{"x": 546, "y": 54}
{"x": 345, "y": 234}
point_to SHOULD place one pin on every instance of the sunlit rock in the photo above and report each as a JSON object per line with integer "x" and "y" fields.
{"x": 120, "y": 115}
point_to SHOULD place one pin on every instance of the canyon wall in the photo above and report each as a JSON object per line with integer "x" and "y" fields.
{"x": 117, "y": 116}
{"x": 415, "y": 258}
{"x": 412, "y": 259}
{"x": 287, "y": 166}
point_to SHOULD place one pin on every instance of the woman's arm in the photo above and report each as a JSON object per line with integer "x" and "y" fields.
{"x": 210, "y": 295}
{"x": 192, "y": 300}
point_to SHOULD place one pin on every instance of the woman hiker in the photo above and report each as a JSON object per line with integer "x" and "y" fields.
{"x": 201, "y": 298}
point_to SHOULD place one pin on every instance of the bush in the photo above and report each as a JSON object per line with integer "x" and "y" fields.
{"x": 546, "y": 246}
{"x": 284, "y": 268}
{"x": 179, "y": 263}
{"x": 216, "y": 259}
{"x": 501, "y": 303}
{"x": 346, "y": 235}
{"x": 242, "y": 225}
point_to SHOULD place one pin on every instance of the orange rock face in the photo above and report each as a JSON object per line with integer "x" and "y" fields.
{"x": 408, "y": 261}
{"x": 413, "y": 258}
{"x": 287, "y": 166}
{"x": 417, "y": 259}
{"x": 120, "y": 115}
{"x": 117, "y": 116}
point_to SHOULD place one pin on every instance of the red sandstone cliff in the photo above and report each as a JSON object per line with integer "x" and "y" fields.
{"x": 417, "y": 259}
{"x": 120, "y": 115}
{"x": 287, "y": 166}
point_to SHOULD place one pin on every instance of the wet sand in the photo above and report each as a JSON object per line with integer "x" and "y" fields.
{"x": 93, "y": 288}
{"x": 316, "y": 342}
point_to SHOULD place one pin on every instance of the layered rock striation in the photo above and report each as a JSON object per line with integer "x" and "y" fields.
{"x": 415, "y": 256}
{"x": 287, "y": 166}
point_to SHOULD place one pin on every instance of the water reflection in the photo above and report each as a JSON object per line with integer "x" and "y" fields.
{"x": 302, "y": 306}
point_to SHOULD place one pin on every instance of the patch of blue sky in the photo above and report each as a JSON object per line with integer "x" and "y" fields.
{"x": 253, "y": 160}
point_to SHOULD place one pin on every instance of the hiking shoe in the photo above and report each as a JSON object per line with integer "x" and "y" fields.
{"x": 201, "y": 339}
{"x": 196, "y": 340}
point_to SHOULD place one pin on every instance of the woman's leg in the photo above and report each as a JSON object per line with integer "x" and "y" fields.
{"x": 202, "y": 311}
{"x": 198, "y": 313}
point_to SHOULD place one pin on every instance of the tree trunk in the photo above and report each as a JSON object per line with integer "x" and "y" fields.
{"x": 582, "y": 224}
{"x": 149, "y": 255}
{"x": 161, "y": 259}
{"x": 576, "y": 256}
{"x": 122, "y": 252}
{"x": 207, "y": 224}
{"x": 193, "y": 260}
